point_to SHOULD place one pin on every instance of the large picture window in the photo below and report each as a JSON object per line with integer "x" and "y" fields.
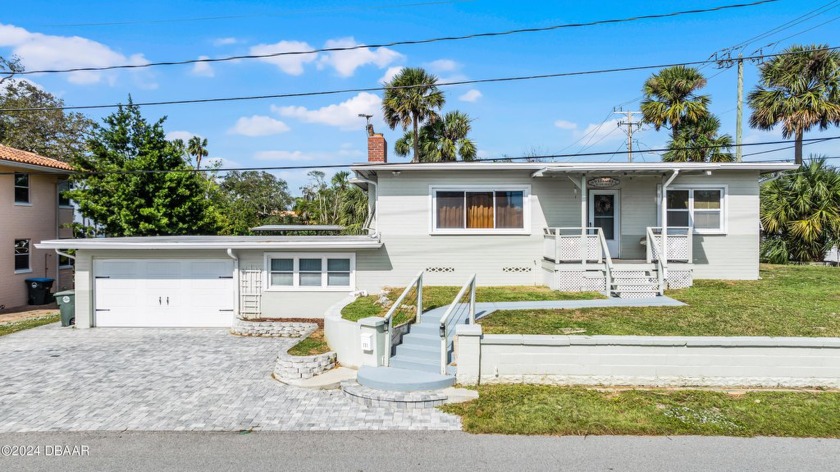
{"x": 310, "y": 271}
{"x": 701, "y": 208}
{"x": 493, "y": 210}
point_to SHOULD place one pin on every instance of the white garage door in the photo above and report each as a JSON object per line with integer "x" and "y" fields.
{"x": 163, "y": 293}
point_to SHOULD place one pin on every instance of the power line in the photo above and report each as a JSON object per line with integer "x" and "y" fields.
{"x": 789, "y": 24}
{"x": 486, "y": 159}
{"x": 379, "y": 89}
{"x": 261, "y": 15}
{"x": 403, "y": 43}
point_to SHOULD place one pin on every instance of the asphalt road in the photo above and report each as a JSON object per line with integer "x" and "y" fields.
{"x": 409, "y": 451}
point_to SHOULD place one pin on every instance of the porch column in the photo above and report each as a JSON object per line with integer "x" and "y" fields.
{"x": 583, "y": 217}
{"x": 663, "y": 251}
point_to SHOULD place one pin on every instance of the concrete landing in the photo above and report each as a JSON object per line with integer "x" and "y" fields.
{"x": 402, "y": 380}
{"x": 329, "y": 380}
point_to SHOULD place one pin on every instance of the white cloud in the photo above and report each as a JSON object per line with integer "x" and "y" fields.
{"x": 258, "y": 125}
{"x": 390, "y": 74}
{"x": 344, "y": 115}
{"x": 321, "y": 156}
{"x": 443, "y": 65}
{"x": 290, "y": 64}
{"x": 605, "y": 132}
{"x": 346, "y": 62}
{"x": 472, "y": 95}
{"x": 203, "y": 69}
{"x": 42, "y": 51}
{"x": 225, "y": 41}
{"x": 563, "y": 124}
{"x": 182, "y": 135}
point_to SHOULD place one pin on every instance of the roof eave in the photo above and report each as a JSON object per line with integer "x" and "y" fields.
{"x": 104, "y": 245}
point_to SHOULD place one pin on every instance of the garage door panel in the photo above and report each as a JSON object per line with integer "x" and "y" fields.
{"x": 128, "y": 293}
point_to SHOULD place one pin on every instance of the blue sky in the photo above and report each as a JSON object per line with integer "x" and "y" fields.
{"x": 515, "y": 118}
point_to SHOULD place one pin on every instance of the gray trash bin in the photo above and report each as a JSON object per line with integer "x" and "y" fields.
{"x": 67, "y": 304}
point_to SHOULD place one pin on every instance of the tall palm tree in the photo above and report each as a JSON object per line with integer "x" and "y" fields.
{"x": 671, "y": 99}
{"x": 800, "y": 214}
{"x": 799, "y": 89}
{"x": 412, "y": 97}
{"x": 197, "y": 148}
{"x": 444, "y": 140}
{"x": 698, "y": 141}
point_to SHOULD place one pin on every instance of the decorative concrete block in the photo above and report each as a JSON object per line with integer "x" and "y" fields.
{"x": 273, "y": 329}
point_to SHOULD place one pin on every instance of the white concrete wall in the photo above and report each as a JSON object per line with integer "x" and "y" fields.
{"x": 650, "y": 361}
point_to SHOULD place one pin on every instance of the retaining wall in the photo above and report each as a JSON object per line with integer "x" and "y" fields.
{"x": 647, "y": 360}
{"x": 273, "y": 329}
{"x": 289, "y": 367}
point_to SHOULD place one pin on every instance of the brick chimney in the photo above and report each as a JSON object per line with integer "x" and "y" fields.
{"x": 377, "y": 147}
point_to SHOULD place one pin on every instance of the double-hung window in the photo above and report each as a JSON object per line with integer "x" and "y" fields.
{"x": 701, "y": 208}
{"x": 21, "y": 188}
{"x": 306, "y": 272}
{"x": 63, "y": 201}
{"x": 22, "y": 253}
{"x": 486, "y": 209}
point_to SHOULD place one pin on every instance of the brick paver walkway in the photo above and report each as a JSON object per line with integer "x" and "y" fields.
{"x": 64, "y": 379}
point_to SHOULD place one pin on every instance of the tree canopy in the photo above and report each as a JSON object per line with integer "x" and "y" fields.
{"x": 52, "y": 132}
{"x": 698, "y": 141}
{"x": 134, "y": 182}
{"x": 671, "y": 98}
{"x": 799, "y": 89}
{"x": 336, "y": 203}
{"x": 443, "y": 140}
{"x": 252, "y": 198}
{"x": 412, "y": 98}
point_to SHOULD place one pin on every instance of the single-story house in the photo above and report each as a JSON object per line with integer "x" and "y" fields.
{"x": 572, "y": 226}
{"x": 32, "y": 209}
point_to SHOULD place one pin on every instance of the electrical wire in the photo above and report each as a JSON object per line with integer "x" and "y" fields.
{"x": 401, "y": 43}
{"x": 383, "y": 88}
{"x": 390, "y": 164}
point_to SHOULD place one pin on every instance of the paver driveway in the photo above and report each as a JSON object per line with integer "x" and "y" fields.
{"x": 64, "y": 379}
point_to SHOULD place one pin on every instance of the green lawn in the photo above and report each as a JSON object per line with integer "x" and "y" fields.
{"x": 551, "y": 410}
{"x": 9, "y": 328}
{"x": 437, "y": 296}
{"x": 311, "y": 345}
{"x": 787, "y": 301}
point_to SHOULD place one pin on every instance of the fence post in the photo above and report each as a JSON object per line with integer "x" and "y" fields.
{"x": 468, "y": 338}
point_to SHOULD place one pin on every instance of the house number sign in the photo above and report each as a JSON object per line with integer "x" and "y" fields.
{"x": 603, "y": 182}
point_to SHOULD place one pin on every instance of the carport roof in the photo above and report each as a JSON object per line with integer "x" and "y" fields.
{"x": 216, "y": 242}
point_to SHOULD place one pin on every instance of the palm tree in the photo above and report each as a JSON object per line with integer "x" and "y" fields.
{"x": 197, "y": 148}
{"x": 670, "y": 98}
{"x": 799, "y": 89}
{"x": 412, "y": 97}
{"x": 800, "y": 214}
{"x": 698, "y": 141}
{"x": 445, "y": 140}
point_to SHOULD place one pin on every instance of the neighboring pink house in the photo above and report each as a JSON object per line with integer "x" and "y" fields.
{"x": 31, "y": 210}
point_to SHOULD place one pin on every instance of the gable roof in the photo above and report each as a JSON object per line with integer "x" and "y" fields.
{"x": 14, "y": 155}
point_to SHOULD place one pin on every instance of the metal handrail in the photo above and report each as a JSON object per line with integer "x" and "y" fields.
{"x": 389, "y": 317}
{"x": 444, "y": 320}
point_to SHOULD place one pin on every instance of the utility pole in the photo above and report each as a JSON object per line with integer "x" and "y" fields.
{"x": 631, "y": 126}
{"x": 739, "y": 125}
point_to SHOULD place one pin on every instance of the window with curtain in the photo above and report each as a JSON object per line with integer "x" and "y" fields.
{"x": 701, "y": 208}
{"x": 480, "y": 209}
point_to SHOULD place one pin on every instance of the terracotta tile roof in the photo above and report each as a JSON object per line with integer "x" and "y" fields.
{"x": 24, "y": 157}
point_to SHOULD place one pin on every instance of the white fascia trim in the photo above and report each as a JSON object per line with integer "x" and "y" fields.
{"x": 65, "y": 244}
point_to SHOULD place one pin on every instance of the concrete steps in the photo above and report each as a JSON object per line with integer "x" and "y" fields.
{"x": 402, "y": 380}
{"x": 634, "y": 283}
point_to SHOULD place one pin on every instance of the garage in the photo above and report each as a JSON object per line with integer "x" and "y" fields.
{"x": 163, "y": 292}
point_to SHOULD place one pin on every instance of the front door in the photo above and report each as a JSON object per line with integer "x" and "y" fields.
{"x": 604, "y": 213}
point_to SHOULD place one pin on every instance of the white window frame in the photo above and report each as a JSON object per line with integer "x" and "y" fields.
{"x": 296, "y": 257}
{"x": 28, "y": 270}
{"x": 724, "y": 206}
{"x": 28, "y": 188}
{"x": 526, "y": 209}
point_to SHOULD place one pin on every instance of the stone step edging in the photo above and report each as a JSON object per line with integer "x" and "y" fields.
{"x": 289, "y": 367}
{"x": 273, "y": 329}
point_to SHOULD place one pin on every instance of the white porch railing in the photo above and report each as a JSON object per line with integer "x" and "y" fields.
{"x": 572, "y": 245}
{"x": 679, "y": 244}
{"x": 453, "y": 315}
{"x": 417, "y": 284}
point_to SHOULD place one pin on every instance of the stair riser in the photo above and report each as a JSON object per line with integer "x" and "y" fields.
{"x": 424, "y": 342}
{"x": 434, "y": 368}
{"x": 418, "y": 353}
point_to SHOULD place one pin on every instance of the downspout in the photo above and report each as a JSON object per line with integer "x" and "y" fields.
{"x": 236, "y": 288}
{"x": 371, "y": 206}
{"x": 663, "y": 204}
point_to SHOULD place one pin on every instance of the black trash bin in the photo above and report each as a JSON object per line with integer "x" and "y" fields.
{"x": 39, "y": 290}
